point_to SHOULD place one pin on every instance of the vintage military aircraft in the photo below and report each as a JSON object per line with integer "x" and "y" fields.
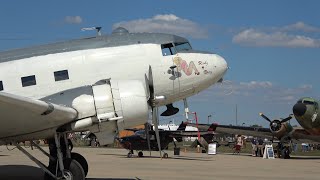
{"x": 102, "y": 84}
{"x": 144, "y": 139}
{"x": 305, "y": 112}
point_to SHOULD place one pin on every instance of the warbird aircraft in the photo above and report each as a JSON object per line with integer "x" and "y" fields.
{"x": 144, "y": 139}
{"x": 305, "y": 111}
{"x": 102, "y": 84}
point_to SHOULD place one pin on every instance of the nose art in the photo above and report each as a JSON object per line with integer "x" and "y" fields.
{"x": 299, "y": 109}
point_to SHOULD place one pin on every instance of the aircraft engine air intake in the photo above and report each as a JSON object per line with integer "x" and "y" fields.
{"x": 107, "y": 105}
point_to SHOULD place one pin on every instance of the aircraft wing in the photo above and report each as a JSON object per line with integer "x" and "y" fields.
{"x": 302, "y": 134}
{"x": 190, "y": 133}
{"x": 229, "y": 129}
{"x": 21, "y": 116}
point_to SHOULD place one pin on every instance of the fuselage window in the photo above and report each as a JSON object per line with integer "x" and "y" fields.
{"x": 61, "y": 75}
{"x": 168, "y": 49}
{"x": 28, "y": 81}
{"x": 1, "y": 86}
{"x": 185, "y": 46}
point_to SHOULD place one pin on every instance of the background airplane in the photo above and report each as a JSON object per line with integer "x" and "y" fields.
{"x": 144, "y": 139}
{"x": 101, "y": 84}
{"x": 305, "y": 112}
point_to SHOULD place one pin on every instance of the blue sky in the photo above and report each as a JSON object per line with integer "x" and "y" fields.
{"x": 271, "y": 46}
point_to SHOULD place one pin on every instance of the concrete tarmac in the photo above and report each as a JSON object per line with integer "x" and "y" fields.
{"x": 107, "y": 164}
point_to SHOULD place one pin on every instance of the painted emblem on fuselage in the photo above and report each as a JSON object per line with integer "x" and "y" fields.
{"x": 183, "y": 65}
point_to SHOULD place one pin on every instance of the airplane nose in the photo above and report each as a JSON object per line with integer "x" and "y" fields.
{"x": 222, "y": 63}
{"x": 299, "y": 109}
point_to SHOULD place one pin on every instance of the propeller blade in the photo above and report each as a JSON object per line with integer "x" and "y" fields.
{"x": 287, "y": 119}
{"x": 147, "y": 129}
{"x": 265, "y": 117}
{"x": 156, "y": 123}
{"x": 147, "y": 86}
{"x": 151, "y": 87}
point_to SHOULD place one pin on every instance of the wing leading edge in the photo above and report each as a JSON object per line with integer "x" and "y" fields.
{"x": 21, "y": 116}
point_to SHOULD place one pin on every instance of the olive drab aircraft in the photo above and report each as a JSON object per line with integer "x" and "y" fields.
{"x": 101, "y": 84}
{"x": 305, "y": 111}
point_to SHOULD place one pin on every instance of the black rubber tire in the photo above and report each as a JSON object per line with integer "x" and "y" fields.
{"x": 75, "y": 168}
{"x": 71, "y": 165}
{"x": 129, "y": 155}
{"x": 140, "y": 154}
{"x": 165, "y": 155}
{"x": 82, "y": 161}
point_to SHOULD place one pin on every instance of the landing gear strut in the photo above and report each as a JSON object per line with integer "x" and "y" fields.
{"x": 62, "y": 163}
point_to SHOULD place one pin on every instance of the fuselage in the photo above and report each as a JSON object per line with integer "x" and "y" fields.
{"x": 118, "y": 56}
{"x": 306, "y": 112}
{"x": 51, "y": 70}
{"x": 139, "y": 141}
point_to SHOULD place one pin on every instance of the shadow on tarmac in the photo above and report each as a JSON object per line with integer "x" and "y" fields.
{"x": 157, "y": 157}
{"x": 19, "y": 172}
{"x": 111, "y": 179}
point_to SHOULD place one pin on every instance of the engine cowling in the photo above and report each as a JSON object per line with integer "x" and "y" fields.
{"x": 279, "y": 129}
{"x": 105, "y": 107}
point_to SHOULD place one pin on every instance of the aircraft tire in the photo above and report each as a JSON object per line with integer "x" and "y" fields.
{"x": 82, "y": 161}
{"x": 165, "y": 155}
{"x": 140, "y": 154}
{"x": 129, "y": 155}
{"x": 75, "y": 169}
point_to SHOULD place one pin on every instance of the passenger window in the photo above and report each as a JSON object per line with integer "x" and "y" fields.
{"x": 28, "y": 81}
{"x": 168, "y": 49}
{"x": 61, "y": 75}
{"x": 1, "y": 86}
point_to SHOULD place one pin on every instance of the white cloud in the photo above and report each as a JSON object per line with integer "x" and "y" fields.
{"x": 253, "y": 37}
{"x": 73, "y": 19}
{"x": 255, "y": 91}
{"x": 165, "y": 23}
{"x": 300, "y": 26}
{"x": 257, "y": 84}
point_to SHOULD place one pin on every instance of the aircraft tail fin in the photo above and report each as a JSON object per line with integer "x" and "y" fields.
{"x": 213, "y": 127}
{"x": 182, "y": 126}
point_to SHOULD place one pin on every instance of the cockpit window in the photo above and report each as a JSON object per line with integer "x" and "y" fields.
{"x": 308, "y": 102}
{"x": 185, "y": 46}
{"x": 168, "y": 49}
{"x": 141, "y": 133}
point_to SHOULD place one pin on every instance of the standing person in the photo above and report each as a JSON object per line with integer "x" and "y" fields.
{"x": 254, "y": 146}
{"x": 295, "y": 147}
{"x": 260, "y": 147}
{"x": 239, "y": 144}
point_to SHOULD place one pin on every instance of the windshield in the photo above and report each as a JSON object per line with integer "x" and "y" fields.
{"x": 185, "y": 46}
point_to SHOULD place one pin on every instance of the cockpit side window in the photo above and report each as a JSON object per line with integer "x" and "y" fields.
{"x": 185, "y": 46}
{"x": 168, "y": 49}
{"x": 308, "y": 102}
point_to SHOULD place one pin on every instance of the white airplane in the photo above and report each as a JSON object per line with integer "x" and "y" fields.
{"x": 103, "y": 84}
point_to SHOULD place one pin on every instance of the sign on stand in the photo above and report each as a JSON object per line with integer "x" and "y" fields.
{"x": 212, "y": 148}
{"x": 268, "y": 152}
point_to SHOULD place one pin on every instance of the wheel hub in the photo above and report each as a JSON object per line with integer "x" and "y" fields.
{"x": 67, "y": 175}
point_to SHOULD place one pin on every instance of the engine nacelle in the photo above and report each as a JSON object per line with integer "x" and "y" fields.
{"x": 279, "y": 129}
{"x": 105, "y": 107}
